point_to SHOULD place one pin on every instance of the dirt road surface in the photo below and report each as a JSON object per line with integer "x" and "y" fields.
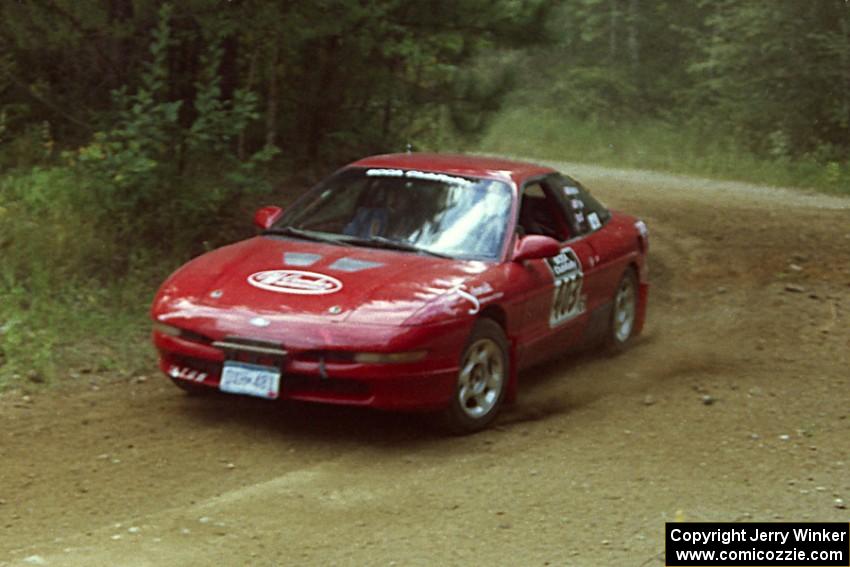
{"x": 734, "y": 405}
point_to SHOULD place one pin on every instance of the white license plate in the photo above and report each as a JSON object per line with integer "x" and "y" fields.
{"x": 250, "y": 380}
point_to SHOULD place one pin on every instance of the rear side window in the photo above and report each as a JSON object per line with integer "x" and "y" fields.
{"x": 540, "y": 212}
{"x": 584, "y": 212}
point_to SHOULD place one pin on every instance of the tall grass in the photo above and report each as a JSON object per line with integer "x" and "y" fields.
{"x": 72, "y": 297}
{"x": 76, "y": 282}
{"x": 547, "y": 134}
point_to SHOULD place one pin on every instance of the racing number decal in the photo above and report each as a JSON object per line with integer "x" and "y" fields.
{"x": 567, "y": 302}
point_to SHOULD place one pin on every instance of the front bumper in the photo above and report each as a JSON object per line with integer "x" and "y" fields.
{"x": 309, "y": 374}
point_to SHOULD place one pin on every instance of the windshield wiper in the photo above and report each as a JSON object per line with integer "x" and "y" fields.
{"x": 307, "y": 235}
{"x": 383, "y": 242}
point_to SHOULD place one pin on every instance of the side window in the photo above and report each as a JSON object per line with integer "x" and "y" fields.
{"x": 540, "y": 213}
{"x": 583, "y": 212}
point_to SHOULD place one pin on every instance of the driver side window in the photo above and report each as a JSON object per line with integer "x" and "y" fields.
{"x": 539, "y": 213}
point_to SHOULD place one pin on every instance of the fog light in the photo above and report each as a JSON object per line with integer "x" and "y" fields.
{"x": 389, "y": 358}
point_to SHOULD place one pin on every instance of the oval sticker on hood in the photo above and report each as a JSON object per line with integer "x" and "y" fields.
{"x": 295, "y": 281}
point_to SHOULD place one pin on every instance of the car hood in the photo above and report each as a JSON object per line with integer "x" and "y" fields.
{"x": 287, "y": 279}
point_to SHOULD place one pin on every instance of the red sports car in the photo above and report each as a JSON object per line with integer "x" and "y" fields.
{"x": 408, "y": 281}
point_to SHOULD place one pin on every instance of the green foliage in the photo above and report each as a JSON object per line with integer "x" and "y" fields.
{"x": 32, "y": 146}
{"x": 772, "y": 77}
{"x": 756, "y": 89}
{"x": 131, "y": 160}
{"x": 654, "y": 144}
{"x": 153, "y": 161}
{"x": 335, "y": 78}
{"x": 51, "y": 333}
{"x": 63, "y": 281}
{"x": 358, "y": 78}
{"x": 779, "y": 73}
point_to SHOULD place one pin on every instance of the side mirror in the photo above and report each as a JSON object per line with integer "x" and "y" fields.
{"x": 536, "y": 246}
{"x": 267, "y": 216}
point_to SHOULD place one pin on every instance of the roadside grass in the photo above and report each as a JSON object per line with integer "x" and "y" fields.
{"x": 62, "y": 311}
{"x": 547, "y": 134}
{"x": 76, "y": 287}
{"x": 67, "y": 330}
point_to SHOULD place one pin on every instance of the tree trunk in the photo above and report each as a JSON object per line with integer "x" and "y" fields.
{"x": 613, "y": 25}
{"x": 229, "y": 66}
{"x": 272, "y": 97}
{"x": 325, "y": 104}
{"x": 845, "y": 66}
{"x": 634, "y": 45}
{"x": 241, "y": 154}
{"x": 121, "y": 11}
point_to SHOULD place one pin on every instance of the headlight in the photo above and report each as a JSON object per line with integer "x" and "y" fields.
{"x": 389, "y": 358}
{"x": 166, "y": 329}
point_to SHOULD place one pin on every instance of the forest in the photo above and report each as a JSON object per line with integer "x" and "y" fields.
{"x": 137, "y": 133}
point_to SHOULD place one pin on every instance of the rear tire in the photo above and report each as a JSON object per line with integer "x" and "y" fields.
{"x": 621, "y": 329}
{"x": 481, "y": 382}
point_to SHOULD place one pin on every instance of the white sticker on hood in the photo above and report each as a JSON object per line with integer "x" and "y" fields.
{"x": 295, "y": 281}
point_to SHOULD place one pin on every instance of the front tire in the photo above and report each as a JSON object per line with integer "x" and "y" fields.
{"x": 481, "y": 382}
{"x": 621, "y": 329}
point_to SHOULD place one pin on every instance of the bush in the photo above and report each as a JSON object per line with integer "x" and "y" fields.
{"x": 59, "y": 287}
{"x": 150, "y": 171}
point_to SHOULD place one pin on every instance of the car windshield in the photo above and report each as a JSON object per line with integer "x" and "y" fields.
{"x": 434, "y": 213}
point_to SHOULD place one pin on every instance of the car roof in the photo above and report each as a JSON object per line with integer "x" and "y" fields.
{"x": 458, "y": 164}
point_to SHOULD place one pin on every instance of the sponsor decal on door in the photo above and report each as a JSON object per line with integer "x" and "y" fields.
{"x": 567, "y": 302}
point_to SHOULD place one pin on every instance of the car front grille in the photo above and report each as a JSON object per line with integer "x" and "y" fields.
{"x": 252, "y": 351}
